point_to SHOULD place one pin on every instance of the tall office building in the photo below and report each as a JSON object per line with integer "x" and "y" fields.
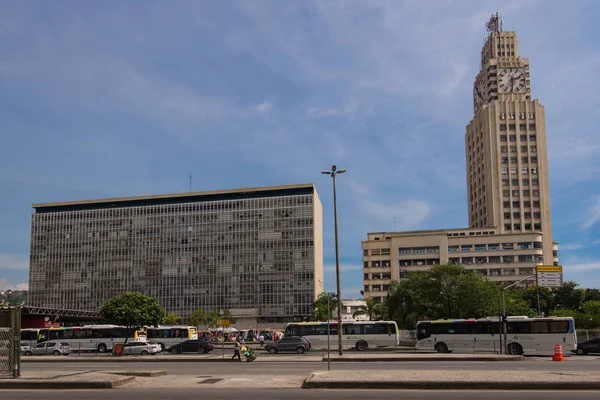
{"x": 510, "y": 230}
{"x": 505, "y": 143}
{"x": 257, "y": 252}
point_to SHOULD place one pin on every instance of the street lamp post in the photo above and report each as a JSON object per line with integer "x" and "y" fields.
{"x": 334, "y": 171}
{"x": 504, "y": 326}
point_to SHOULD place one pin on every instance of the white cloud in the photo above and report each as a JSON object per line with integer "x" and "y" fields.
{"x": 569, "y": 247}
{"x": 4, "y": 285}
{"x": 8, "y": 261}
{"x": 264, "y": 108}
{"x": 408, "y": 214}
{"x": 592, "y": 215}
{"x": 343, "y": 267}
{"x": 587, "y": 267}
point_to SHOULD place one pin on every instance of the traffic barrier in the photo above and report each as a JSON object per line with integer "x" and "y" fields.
{"x": 558, "y": 354}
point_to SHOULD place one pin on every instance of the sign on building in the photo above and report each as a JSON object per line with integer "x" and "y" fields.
{"x": 549, "y": 275}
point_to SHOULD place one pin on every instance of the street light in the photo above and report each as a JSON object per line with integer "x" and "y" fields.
{"x": 504, "y": 325}
{"x": 334, "y": 171}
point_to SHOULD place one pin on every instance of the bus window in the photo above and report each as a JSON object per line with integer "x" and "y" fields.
{"x": 350, "y": 329}
{"x": 374, "y": 329}
{"x": 559, "y": 326}
{"x": 424, "y": 331}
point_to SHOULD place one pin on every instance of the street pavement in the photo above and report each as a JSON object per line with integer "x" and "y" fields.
{"x": 244, "y": 393}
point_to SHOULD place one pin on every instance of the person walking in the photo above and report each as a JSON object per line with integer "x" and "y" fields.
{"x": 236, "y": 352}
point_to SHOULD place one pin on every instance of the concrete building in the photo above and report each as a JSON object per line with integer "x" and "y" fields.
{"x": 508, "y": 191}
{"x": 257, "y": 252}
{"x": 350, "y": 306}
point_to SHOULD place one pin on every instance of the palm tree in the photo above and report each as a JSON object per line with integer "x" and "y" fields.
{"x": 324, "y": 301}
{"x": 372, "y": 308}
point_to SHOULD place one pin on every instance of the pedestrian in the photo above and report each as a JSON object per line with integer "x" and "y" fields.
{"x": 261, "y": 338}
{"x": 236, "y": 352}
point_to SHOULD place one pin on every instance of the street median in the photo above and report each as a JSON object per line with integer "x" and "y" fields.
{"x": 419, "y": 357}
{"x": 447, "y": 380}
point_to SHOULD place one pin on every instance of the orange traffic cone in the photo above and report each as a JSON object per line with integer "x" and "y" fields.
{"x": 558, "y": 354}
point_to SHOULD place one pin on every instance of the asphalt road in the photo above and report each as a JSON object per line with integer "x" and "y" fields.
{"x": 294, "y": 367}
{"x": 292, "y": 394}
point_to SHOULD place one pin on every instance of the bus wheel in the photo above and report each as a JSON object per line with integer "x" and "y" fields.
{"x": 361, "y": 346}
{"x": 102, "y": 348}
{"x": 515, "y": 348}
{"x": 28, "y": 353}
{"x": 441, "y": 348}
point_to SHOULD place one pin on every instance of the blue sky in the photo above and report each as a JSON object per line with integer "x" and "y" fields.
{"x": 112, "y": 98}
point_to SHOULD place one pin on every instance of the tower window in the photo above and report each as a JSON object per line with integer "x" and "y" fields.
{"x": 503, "y": 138}
{"x": 532, "y": 127}
{"x": 503, "y": 127}
{"x": 512, "y": 138}
{"x": 532, "y": 138}
{"x": 522, "y": 127}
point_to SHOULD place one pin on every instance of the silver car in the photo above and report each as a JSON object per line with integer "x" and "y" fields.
{"x": 140, "y": 349}
{"x": 51, "y": 348}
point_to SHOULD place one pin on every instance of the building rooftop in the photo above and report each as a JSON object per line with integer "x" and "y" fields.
{"x": 189, "y": 197}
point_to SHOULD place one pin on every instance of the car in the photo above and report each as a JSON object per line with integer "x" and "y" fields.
{"x": 296, "y": 344}
{"x": 591, "y": 346}
{"x": 53, "y": 348}
{"x": 26, "y": 350}
{"x": 140, "y": 349}
{"x": 197, "y": 346}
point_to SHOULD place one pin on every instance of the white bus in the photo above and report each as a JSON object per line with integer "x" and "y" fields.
{"x": 99, "y": 338}
{"x": 356, "y": 334}
{"x": 167, "y": 336}
{"x": 531, "y": 336}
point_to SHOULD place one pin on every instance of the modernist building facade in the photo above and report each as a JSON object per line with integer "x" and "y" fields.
{"x": 508, "y": 191}
{"x": 257, "y": 252}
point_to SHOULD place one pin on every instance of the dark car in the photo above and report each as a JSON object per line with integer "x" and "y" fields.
{"x": 591, "y": 346}
{"x": 289, "y": 343}
{"x": 197, "y": 346}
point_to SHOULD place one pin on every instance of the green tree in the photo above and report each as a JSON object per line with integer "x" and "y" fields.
{"x": 592, "y": 294}
{"x": 589, "y": 316}
{"x": 516, "y": 304}
{"x": 530, "y": 294}
{"x": 325, "y": 300}
{"x": 132, "y": 310}
{"x": 444, "y": 291}
{"x": 568, "y": 296}
{"x": 372, "y": 308}
{"x": 173, "y": 319}
{"x": 198, "y": 317}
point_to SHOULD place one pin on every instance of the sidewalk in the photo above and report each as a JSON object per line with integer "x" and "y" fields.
{"x": 75, "y": 379}
{"x": 416, "y": 357}
{"x": 205, "y": 358}
{"x": 446, "y": 380}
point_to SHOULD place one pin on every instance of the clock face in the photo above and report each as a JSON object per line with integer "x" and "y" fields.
{"x": 478, "y": 94}
{"x": 511, "y": 80}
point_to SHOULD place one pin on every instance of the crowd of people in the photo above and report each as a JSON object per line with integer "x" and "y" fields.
{"x": 241, "y": 336}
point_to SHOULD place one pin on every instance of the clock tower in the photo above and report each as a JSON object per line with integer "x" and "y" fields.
{"x": 505, "y": 144}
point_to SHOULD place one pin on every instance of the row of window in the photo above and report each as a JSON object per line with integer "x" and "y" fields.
{"x": 522, "y": 115}
{"x": 522, "y": 127}
{"x": 516, "y": 193}
{"x": 513, "y": 148}
{"x": 527, "y": 226}
{"x": 383, "y": 275}
{"x": 495, "y": 259}
{"x": 516, "y": 204}
{"x": 495, "y": 246}
{"x": 513, "y": 138}
{"x": 524, "y": 160}
{"x": 526, "y": 215}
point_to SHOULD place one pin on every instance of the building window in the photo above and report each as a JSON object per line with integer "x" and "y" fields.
{"x": 506, "y": 193}
{"x": 503, "y": 138}
{"x": 513, "y": 159}
{"x": 532, "y": 127}
{"x": 535, "y": 192}
{"x": 515, "y": 193}
{"x": 514, "y": 182}
{"x": 504, "y": 182}
{"x": 507, "y": 227}
{"x": 503, "y": 149}
{"x": 504, "y": 171}
{"x": 506, "y": 215}
{"x": 516, "y": 214}
{"x": 513, "y": 170}
{"x": 365, "y": 264}
{"x": 526, "y": 193}
{"x": 533, "y": 148}
{"x": 511, "y": 127}
{"x": 525, "y": 181}
{"x": 536, "y": 215}
{"x": 513, "y": 148}
{"x": 528, "y": 226}
{"x": 534, "y": 171}
{"x": 517, "y": 227}
{"x": 523, "y": 149}
{"x": 506, "y": 204}
{"x": 522, "y": 127}
{"x": 524, "y": 159}
{"x": 527, "y": 203}
{"x": 532, "y": 138}
{"x": 515, "y": 204}
{"x": 503, "y": 127}
{"x": 537, "y": 226}
{"x": 535, "y": 182}
{"x": 523, "y": 138}
{"x": 512, "y": 138}
{"x": 504, "y": 160}
{"x": 524, "y": 170}
{"x": 527, "y": 215}
{"x": 536, "y": 203}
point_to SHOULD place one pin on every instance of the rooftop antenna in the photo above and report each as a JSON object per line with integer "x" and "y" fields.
{"x": 190, "y": 180}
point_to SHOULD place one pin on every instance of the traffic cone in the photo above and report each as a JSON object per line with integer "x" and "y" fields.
{"x": 558, "y": 354}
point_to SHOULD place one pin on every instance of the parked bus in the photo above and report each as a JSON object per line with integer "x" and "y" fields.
{"x": 356, "y": 334}
{"x": 99, "y": 338}
{"x": 167, "y": 336}
{"x": 524, "y": 335}
{"x": 31, "y": 336}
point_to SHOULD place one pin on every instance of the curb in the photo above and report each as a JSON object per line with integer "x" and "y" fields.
{"x": 141, "y": 374}
{"x": 153, "y": 360}
{"x": 57, "y": 384}
{"x": 451, "y": 385}
{"x": 422, "y": 359}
